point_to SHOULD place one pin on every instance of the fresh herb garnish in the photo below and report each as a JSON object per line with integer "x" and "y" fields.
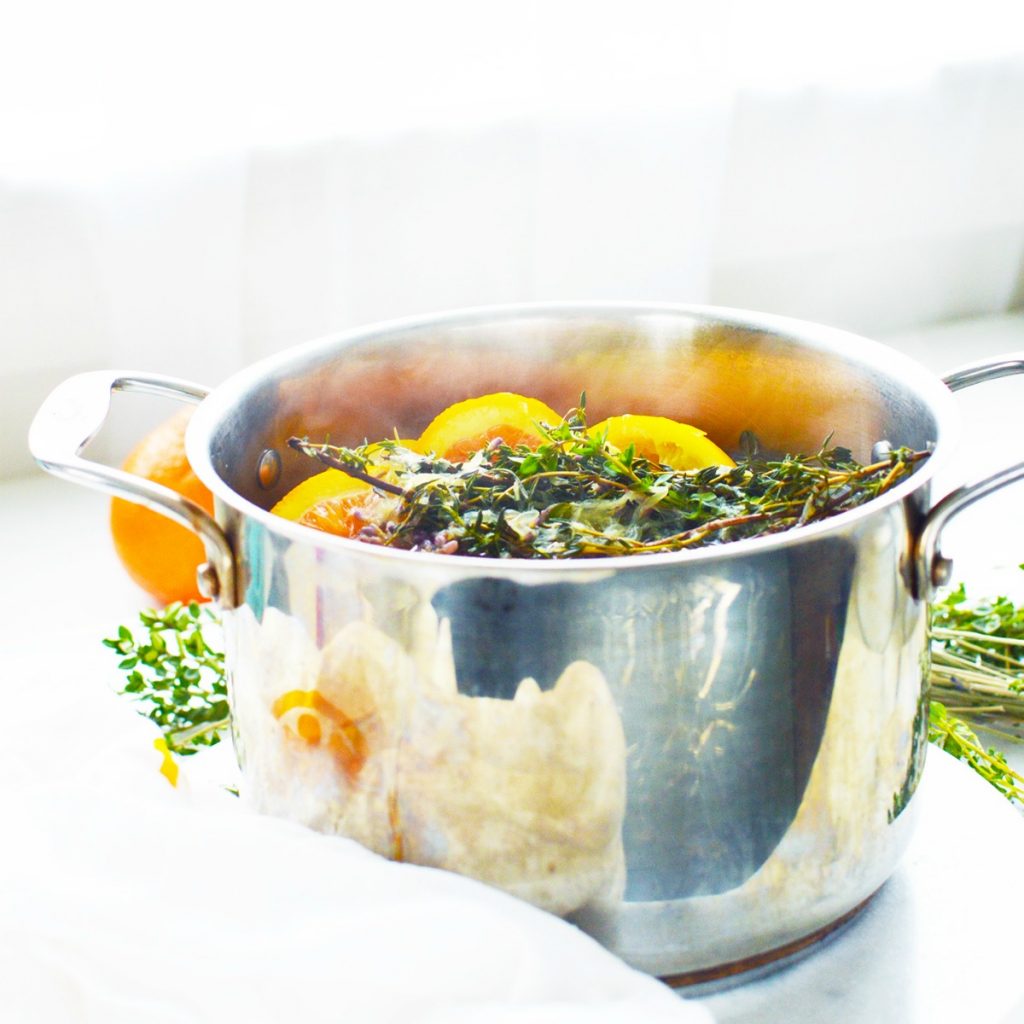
{"x": 576, "y": 496}
{"x": 176, "y": 673}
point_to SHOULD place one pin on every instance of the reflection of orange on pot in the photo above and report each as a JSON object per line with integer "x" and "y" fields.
{"x": 726, "y": 380}
{"x": 526, "y": 794}
{"x": 309, "y": 716}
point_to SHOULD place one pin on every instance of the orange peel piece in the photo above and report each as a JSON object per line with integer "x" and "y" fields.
{"x": 168, "y": 766}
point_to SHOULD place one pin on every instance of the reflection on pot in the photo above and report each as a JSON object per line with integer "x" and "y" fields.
{"x": 527, "y": 794}
{"x": 723, "y": 680}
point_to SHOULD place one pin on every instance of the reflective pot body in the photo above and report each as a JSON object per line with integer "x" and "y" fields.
{"x": 713, "y": 754}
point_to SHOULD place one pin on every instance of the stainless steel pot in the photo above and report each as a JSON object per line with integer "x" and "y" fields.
{"x": 717, "y": 758}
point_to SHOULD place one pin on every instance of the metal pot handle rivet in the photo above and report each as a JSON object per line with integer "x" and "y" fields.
{"x": 70, "y": 418}
{"x": 207, "y": 581}
{"x": 268, "y": 469}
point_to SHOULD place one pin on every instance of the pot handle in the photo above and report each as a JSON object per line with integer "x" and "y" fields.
{"x": 932, "y": 568}
{"x": 70, "y": 418}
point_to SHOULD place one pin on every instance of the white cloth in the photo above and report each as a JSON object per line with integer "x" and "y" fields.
{"x": 126, "y": 900}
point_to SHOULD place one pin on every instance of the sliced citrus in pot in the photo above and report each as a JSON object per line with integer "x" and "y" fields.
{"x": 327, "y": 501}
{"x": 337, "y": 503}
{"x": 466, "y": 427}
{"x": 660, "y": 439}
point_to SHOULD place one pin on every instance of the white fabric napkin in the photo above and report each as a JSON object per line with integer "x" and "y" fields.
{"x": 125, "y": 899}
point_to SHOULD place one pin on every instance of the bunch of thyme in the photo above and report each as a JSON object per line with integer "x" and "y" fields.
{"x": 956, "y": 737}
{"x": 576, "y": 496}
{"x": 977, "y": 677}
{"x": 978, "y": 660}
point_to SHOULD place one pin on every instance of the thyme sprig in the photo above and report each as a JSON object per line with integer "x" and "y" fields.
{"x": 577, "y": 496}
{"x": 352, "y": 464}
{"x": 176, "y": 674}
{"x": 956, "y": 737}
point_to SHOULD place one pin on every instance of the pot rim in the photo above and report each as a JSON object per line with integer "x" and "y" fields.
{"x": 855, "y": 347}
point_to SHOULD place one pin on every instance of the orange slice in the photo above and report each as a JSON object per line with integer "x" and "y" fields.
{"x": 337, "y": 503}
{"x": 331, "y": 501}
{"x": 330, "y": 485}
{"x": 662, "y": 440}
{"x": 466, "y": 427}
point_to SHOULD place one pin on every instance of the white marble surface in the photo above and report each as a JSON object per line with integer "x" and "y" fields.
{"x": 940, "y": 942}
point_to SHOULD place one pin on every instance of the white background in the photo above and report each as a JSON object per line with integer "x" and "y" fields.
{"x": 185, "y": 188}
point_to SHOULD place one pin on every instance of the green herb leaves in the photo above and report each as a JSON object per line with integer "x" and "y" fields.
{"x": 576, "y": 496}
{"x": 977, "y": 677}
{"x": 978, "y": 659}
{"x": 956, "y": 737}
{"x": 176, "y": 674}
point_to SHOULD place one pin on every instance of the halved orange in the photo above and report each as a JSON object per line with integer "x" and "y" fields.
{"x": 662, "y": 440}
{"x": 466, "y": 427}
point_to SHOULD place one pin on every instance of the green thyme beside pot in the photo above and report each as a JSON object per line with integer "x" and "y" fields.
{"x": 977, "y": 683}
{"x": 175, "y": 671}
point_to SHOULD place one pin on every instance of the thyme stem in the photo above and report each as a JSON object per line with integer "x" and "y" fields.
{"x": 320, "y": 453}
{"x": 575, "y": 495}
